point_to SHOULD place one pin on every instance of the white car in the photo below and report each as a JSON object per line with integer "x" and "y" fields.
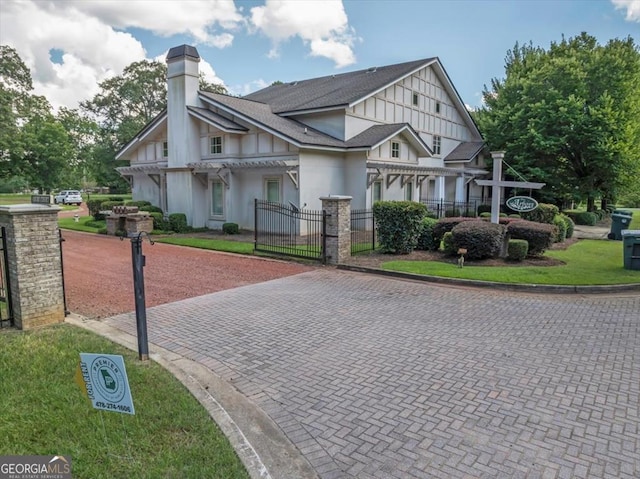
{"x": 68, "y": 197}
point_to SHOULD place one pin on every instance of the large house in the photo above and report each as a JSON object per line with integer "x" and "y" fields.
{"x": 398, "y": 132}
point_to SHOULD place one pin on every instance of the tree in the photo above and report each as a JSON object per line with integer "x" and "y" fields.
{"x": 569, "y": 117}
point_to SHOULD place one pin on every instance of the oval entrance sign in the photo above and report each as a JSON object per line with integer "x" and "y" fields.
{"x": 522, "y": 204}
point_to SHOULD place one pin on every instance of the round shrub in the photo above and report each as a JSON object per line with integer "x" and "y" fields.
{"x": 140, "y": 204}
{"x": 585, "y": 218}
{"x": 515, "y": 216}
{"x": 398, "y": 224}
{"x": 159, "y": 222}
{"x": 485, "y": 214}
{"x": 479, "y": 238}
{"x": 178, "y": 222}
{"x": 151, "y": 209}
{"x": 517, "y": 250}
{"x": 544, "y": 213}
{"x": 568, "y": 222}
{"x": 561, "y": 229}
{"x": 94, "y": 209}
{"x": 448, "y": 246}
{"x": 425, "y": 240}
{"x": 230, "y": 228}
{"x": 538, "y": 235}
{"x": 107, "y": 205}
{"x": 447, "y": 224}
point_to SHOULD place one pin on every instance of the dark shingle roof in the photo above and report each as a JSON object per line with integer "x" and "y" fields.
{"x": 218, "y": 120}
{"x": 334, "y": 90}
{"x": 465, "y": 151}
{"x": 183, "y": 51}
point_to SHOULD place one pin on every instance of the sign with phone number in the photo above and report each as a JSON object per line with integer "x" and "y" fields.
{"x": 106, "y": 382}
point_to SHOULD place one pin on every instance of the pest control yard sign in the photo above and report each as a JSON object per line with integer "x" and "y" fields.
{"x": 105, "y": 378}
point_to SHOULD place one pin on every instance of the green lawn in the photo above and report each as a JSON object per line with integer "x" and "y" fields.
{"x": 14, "y": 199}
{"x": 206, "y": 243}
{"x": 84, "y": 223}
{"x": 588, "y": 262}
{"x": 43, "y": 411}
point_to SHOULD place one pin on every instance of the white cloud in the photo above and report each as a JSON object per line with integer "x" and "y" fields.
{"x": 632, "y": 7}
{"x": 321, "y": 24}
{"x": 94, "y": 47}
{"x": 247, "y": 88}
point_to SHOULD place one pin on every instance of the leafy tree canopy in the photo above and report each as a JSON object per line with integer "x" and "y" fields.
{"x": 569, "y": 116}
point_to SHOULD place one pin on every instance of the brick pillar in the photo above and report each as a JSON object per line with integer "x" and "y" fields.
{"x": 338, "y": 233}
{"x": 35, "y": 272}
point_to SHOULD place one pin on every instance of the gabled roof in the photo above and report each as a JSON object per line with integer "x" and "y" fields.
{"x": 147, "y": 130}
{"x": 333, "y": 91}
{"x": 216, "y": 120}
{"x": 465, "y": 151}
{"x": 376, "y": 135}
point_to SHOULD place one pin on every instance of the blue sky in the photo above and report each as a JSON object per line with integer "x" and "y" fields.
{"x": 70, "y": 46}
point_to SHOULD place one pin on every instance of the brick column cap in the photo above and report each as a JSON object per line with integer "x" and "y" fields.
{"x": 336, "y": 197}
{"x": 28, "y": 208}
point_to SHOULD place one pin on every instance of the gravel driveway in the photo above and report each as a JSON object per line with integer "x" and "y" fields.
{"x": 98, "y": 273}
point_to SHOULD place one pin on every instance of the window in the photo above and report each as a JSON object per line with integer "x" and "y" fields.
{"x": 408, "y": 191}
{"x": 377, "y": 191}
{"x": 437, "y": 107}
{"x": 217, "y": 198}
{"x": 272, "y": 190}
{"x": 216, "y": 145}
{"x": 437, "y": 141}
{"x": 395, "y": 149}
{"x": 415, "y": 99}
{"x": 165, "y": 149}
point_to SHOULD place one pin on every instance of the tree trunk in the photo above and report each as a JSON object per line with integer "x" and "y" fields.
{"x": 591, "y": 203}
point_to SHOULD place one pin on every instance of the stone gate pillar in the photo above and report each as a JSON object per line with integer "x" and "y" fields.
{"x": 338, "y": 232}
{"x": 34, "y": 266}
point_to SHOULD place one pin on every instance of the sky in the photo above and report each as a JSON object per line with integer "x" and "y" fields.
{"x": 71, "y": 46}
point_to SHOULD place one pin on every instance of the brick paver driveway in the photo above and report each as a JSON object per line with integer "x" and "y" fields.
{"x": 383, "y": 378}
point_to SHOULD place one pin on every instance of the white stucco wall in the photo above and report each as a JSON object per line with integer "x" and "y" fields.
{"x": 332, "y": 123}
{"x": 144, "y": 189}
{"x": 321, "y": 174}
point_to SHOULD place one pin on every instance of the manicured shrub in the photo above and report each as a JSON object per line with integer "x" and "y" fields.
{"x": 485, "y": 214}
{"x": 568, "y": 222}
{"x": 178, "y": 222}
{"x": 425, "y": 240}
{"x": 102, "y": 231}
{"x": 445, "y": 225}
{"x": 230, "y": 228}
{"x": 151, "y": 209}
{"x": 159, "y": 222}
{"x": 479, "y": 238}
{"x": 116, "y": 198}
{"x": 544, "y": 213}
{"x": 515, "y": 216}
{"x": 95, "y": 224}
{"x": 398, "y": 224}
{"x": 432, "y": 214}
{"x": 585, "y": 218}
{"x": 94, "y": 209}
{"x": 448, "y": 246}
{"x": 517, "y": 250}
{"x": 561, "y": 229}
{"x": 538, "y": 235}
{"x": 139, "y": 203}
{"x": 484, "y": 209}
{"x": 107, "y": 205}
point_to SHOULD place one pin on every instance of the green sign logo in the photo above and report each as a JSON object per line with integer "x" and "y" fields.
{"x": 108, "y": 379}
{"x": 522, "y": 204}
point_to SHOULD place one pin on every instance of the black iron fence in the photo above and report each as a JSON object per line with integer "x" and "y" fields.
{"x": 442, "y": 208}
{"x": 290, "y": 231}
{"x": 6, "y": 310}
{"x": 363, "y": 231}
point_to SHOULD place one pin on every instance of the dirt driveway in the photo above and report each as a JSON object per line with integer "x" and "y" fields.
{"x": 98, "y": 273}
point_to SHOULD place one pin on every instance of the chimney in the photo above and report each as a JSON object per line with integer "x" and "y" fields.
{"x": 182, "y": 91}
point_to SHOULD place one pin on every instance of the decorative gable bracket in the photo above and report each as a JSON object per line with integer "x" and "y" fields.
{"x": 373, "y": 177}
{"x": 421, "y": 178}
{"x": 406, "y": 179}
{"x": 391, "y": 178}
{"x": 293, "y": 176}
{"x": 155, "y": 178}
{"x": 224, "y": 177}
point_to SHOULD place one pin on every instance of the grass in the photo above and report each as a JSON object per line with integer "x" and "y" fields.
{"x": 81, "y": 224}
{"x": 43, "y": 411}
{"x": 588, "y": 262}
{"x": 14, "y": 199}
{"x": 228, "y": 246}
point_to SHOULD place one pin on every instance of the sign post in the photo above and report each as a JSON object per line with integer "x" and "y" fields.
{"x": 106, "y": 382}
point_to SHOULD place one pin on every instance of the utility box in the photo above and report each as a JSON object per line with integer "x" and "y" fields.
{"x": 631, "y": 249}
{"x": 619, "y": 222}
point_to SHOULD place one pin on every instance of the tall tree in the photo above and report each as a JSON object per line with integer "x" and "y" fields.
{"x": 568, "y": 116}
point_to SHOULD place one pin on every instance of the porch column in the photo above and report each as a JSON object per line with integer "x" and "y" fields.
{"x": 34, "y": 264}
{"x": 439, "y": 188}
{"x": 459, "y": 198}
{"x": 338, "y": 228}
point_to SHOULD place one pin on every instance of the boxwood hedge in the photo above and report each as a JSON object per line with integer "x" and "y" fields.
{"x": 479, "y": 238}
{"x": 398, "y": 224}
{"x": 539, "y": 235}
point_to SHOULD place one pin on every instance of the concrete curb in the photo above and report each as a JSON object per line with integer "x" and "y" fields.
{"x": 518, "y": 287}
{"x": 260, "y": 444}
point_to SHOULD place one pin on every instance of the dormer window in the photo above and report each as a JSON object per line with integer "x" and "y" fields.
{"x": 395, "y": 149}
{"x": 216, "y": 145}
{"x": 415, "y": 99}
{"x": 165, "y": 149}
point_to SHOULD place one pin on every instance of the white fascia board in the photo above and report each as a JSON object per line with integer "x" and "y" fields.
{"x": 208, "y": 121}
{"x": 415, "y": 140}
{"x": 313, "y": 110}
{"x": 139, "y": 139}
{"x": 375, "y": 92}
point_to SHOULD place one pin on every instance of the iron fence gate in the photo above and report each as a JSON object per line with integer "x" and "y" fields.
{"x": 290, "y": 231}
{"x": 6, "y": 307}
{"x": 363, "y": 231}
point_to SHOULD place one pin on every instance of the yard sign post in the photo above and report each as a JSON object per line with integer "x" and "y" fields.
{"x": 497, "y": 184}
{"x": 138, "y": 286}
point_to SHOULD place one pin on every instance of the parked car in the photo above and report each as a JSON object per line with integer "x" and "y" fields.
{"x": 68, "y": 197}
